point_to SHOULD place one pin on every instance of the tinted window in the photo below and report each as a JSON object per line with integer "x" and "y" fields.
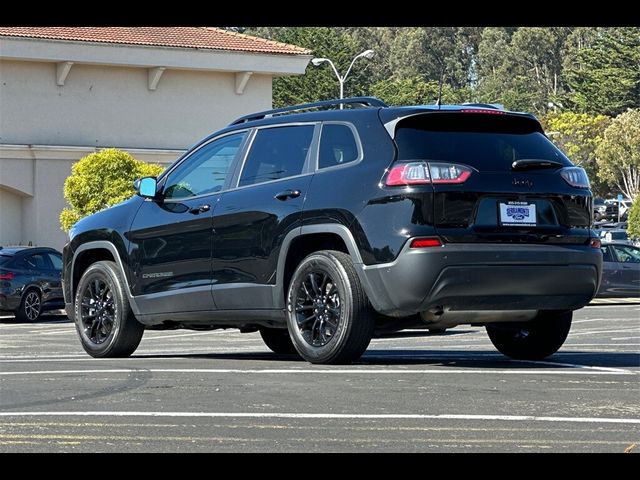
{"x": 205, "y": 171}
{"x": 337, "y": 146}
{"x": 621, "y": 235}
{"x": 56, "y": 260}
{"x": 627, "y": 254}
{"x": 37, "y": 261}
{"x": 482, "y": 141}
{"x": 5, "y": 259}
{"x": 277, "y": 153}
{"x": 606, "y": 254}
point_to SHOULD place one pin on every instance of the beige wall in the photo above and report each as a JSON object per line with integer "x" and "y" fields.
{"x": 44, "y": 127}
{"x": 113, "y": 106}
{"x": 11, "y": 221}
{"x": 41, "y": 169}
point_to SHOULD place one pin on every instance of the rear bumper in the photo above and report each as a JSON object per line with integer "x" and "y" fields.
{"x": 9, "y": 303}
{"x": 484, "y": 277}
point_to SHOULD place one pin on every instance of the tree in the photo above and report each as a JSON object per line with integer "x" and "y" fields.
{"x": 416, "y": 91}
{"x": 603, "y": 76}
{"x": 578, "y": 135}
{"x": 101, "y": 180}
{"x": 633, "y": 229}
{"x": 618, "y": 155}
{"x": 522, "y": 68}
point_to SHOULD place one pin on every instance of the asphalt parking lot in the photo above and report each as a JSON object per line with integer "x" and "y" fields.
{"x": 223, "y": 391}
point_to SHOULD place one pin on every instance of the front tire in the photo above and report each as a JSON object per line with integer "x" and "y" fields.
{"x": 329, "y": 317}
{"x": 30, "y": 307}
{"x": 104, "y": 320}
{"x": 532, "y": 340}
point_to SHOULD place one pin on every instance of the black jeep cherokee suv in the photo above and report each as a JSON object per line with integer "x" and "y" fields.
{"x": 313, "y": 224}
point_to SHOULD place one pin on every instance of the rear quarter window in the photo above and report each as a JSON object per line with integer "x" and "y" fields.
{"x": 338, "y": 146}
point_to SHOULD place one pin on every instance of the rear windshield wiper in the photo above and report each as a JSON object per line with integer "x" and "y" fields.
{"x": 534, "y": 163}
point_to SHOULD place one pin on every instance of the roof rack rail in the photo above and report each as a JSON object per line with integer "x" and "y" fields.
{"x": 495, "y": 106}
{"x": 361, "y": 101}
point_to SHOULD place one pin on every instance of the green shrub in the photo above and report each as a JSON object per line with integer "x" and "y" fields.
{"x": 633, "y": 230}
{"x": 101, "y": 180}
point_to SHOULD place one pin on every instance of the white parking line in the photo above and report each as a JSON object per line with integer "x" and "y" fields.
{"x": 578, "y": 370}
{"x": 595, "y": 332}
{"x": 322, "y": 416}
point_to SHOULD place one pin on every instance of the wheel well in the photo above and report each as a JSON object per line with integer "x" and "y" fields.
{"x": 304, "y": 245}
{"x": 85, "y": 259}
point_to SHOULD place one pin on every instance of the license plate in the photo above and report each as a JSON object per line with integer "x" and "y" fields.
{"x": 518, "y": 214}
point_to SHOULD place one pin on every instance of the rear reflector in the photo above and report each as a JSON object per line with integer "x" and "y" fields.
{"x": 422, "y": 173}
{"x": 595, "y": 243}
{"x": 425, "y": 243}
{"x": 7, "y": 276}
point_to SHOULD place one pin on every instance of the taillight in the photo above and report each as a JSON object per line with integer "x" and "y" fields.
{"x": 576, "y": 177}
{"x": 421, "y": 173}
{"x": 425, "y": 243}
{"x": 7, "y": 276}
{"x": 595, "y": 243}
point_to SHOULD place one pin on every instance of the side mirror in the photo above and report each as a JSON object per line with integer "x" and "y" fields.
{"x": 147, "y": 187}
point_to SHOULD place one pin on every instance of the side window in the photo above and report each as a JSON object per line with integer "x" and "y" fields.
{"x": 627, "y": 254}
{"x": 37, "y": 261}
{"x": 337, "y": 146}
{"x": 205, "y": 171}
{"x": 278, "y": 152}
{"x": 606, "y": 254}
{"x": 56, "y": 260}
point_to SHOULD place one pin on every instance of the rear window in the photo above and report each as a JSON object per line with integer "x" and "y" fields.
{"x": 486, "y": 142}
{"x": 5, "y": 259}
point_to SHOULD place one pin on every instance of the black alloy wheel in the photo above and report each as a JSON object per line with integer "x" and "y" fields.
{"x": 318, "y": 308}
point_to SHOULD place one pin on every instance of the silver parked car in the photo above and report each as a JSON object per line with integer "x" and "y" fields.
{"x": 620, "y": 271}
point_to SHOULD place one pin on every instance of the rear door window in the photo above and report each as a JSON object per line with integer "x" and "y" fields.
{"x": 36, "y": 261}
{"x": 278, "y": 152}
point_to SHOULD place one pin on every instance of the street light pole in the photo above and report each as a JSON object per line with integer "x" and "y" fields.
{"x": 342, "y": 78}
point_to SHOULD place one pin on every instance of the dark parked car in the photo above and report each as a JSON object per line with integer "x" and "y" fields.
{"x": 620, "y": 271}
{"x": 30, "y": 281}
{"x": 312, "y": 223}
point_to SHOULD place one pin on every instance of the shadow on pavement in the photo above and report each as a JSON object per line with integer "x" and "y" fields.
{"x": 442, "y": 358}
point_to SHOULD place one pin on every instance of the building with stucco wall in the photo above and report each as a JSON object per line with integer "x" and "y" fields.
{"x": 153, "y": 91}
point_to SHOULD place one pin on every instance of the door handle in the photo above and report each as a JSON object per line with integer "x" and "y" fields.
{"x": 200, "y": 209}
{"x": 288, "y": 194}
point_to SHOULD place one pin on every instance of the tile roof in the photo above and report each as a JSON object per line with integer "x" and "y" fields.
{"x": 209, "y": 38}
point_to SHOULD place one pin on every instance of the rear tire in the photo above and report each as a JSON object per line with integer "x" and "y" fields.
{"x": 103, "y": 317}
{"x": 30, "y": 307}
{"x": 278, "y": 341}
{"x": 532, "y": 340}
{"x": 329, "y": 317}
